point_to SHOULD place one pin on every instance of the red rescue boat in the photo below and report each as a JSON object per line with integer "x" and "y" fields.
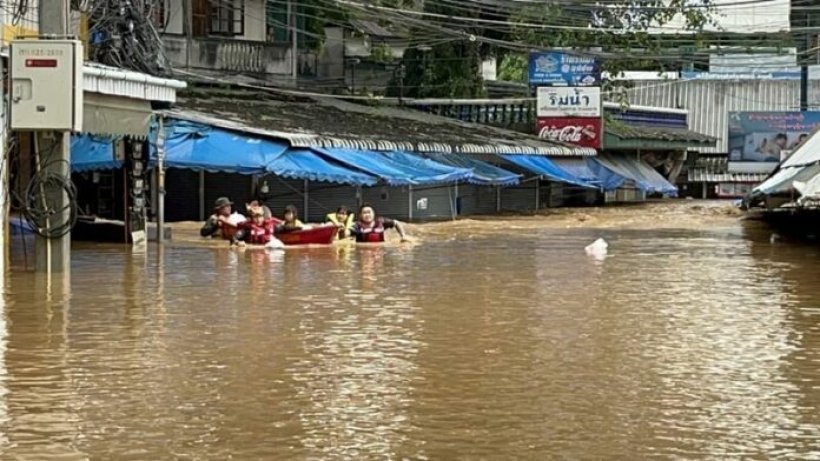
{"x": 320, "y": 235}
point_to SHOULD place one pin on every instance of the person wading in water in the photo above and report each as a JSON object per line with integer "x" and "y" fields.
{"x": 223, "y": 222}
{"x": 370, "y": 229}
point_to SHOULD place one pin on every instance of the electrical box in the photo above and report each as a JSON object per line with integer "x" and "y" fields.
{"x": 46, "y": 85}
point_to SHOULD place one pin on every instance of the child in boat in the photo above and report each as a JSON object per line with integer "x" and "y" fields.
{"x": 258, "y": 204}
{"x": 370, "y": 229}
{"x": 343, "y": 219}
{"x": 258, "y": 230}
{"x": 290, "y": 223}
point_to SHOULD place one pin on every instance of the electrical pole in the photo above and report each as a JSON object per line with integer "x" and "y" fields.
{"x": 803, "y": 58}
{"x": 187, "y": 30}
{"x": 5, "y": 229}
{"x": 53, "y": 155}
{"x": 294, "y": 39}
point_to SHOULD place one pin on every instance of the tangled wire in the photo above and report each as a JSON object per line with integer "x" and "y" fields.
{"x": 44, "y": 205}
{"x": 124, "y": 35}
{"x": 49, "y": 202}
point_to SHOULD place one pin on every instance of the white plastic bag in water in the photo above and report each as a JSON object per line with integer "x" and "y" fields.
{"x": 275, "y": 244}
{"x": 597, "y": 249}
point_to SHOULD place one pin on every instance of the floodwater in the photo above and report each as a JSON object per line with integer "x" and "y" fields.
{"x": 697, "y": 337}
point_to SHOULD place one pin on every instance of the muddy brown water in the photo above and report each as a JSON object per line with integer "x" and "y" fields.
{"x": 697, "y": 337}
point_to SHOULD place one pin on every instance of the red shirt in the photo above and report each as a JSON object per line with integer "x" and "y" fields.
{"x": 259, "y": 233}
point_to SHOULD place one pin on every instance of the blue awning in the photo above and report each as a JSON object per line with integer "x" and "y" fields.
{"x": 431, "y": 168}
{"x": 199, "y": 147}
{"x": 484, "y": 174}
{"x": 90, "y": 153}
{"x": 306, "y": 164}
{"x": 589, "y": 171}
{"x": 544, "y": 166}
{"x": 393, "y": 171}
{"x": 644, "y": 176}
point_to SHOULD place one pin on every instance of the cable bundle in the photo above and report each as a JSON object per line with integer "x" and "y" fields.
{"x": 39, "y": 209}
{"x": 123, "y": 35}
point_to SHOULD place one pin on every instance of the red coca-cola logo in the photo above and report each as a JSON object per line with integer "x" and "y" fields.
{"x": 579, "y": 131}
{"x": 572, "y": 133}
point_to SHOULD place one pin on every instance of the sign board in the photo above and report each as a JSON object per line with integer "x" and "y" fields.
{"x": 562, "y": 101}
{"x": 46, "y": 85}
{"x": 563, "y": 69}
{"x": 768, "y": 136}
{"x": 583, "y": 132}
{"x": 781, "y": 75}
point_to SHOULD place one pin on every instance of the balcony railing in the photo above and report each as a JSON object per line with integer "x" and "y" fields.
{"x": 240, "y": 56}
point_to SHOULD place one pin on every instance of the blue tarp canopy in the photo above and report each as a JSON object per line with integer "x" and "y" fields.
{"x": 544, "y": 166}
{"x": 201, "y": 147}
{"x": 584, "y": 168}
{"x": 90, "y": 153}
{"x": 644, "y": 176}
{"x": 446, "y": 173}
{"x": 306, "y": 164}
{"x": 484, "y": 174}
{"x": 396, "y": 171}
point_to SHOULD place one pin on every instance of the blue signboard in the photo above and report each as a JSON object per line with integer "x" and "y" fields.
{"x": 562, "y": 69}
{"x": 768, "y": 136}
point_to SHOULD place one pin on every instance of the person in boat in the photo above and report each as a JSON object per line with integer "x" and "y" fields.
{"x": 258, "y": 230}
{"x": 223, "y": 222}
{"x": 370, "y": 228}
{"x": 253, "y": 204}
{"x": 343, "y": 219}
{"x": 291, "y": 223}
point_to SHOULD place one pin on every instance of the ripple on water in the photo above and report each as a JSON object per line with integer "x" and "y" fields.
{"x": 681, "y": 344}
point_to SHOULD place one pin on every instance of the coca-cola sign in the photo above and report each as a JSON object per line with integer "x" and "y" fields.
{"x": 579, "y": 131}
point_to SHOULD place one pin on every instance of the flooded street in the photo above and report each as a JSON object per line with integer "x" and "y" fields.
{"x": 487, "y": 339}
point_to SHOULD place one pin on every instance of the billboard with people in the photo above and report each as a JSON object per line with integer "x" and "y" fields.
{"x": 768, "y": 136}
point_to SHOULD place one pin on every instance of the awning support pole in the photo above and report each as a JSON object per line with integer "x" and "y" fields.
{"x": 538, "y": 194}
{"x": 454, "y": 202}
{"x": 498, "y": 199}
{"x": 161, "y": 180}
{"x": 410, "y": 203}
{"x": 306, "y": 201}
{"x": 202, "y": 195}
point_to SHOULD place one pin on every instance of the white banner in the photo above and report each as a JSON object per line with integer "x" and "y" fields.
{"x": 569, "y": 101}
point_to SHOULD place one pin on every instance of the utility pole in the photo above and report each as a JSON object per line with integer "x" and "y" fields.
{"x": 803, "y": 57}
{"x": 187, "y": 30}
{"x": 53, "y": 154}
{"x": 5, "y": 229}
{"x": 294, "y": 37}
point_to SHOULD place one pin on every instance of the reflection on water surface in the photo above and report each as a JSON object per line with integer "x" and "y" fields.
{"x": 475, "y": 344}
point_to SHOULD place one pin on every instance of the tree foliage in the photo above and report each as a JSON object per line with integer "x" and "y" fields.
{"x": 620, "y": 32}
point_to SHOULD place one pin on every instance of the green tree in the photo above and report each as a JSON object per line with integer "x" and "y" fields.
{"x": 618, "y": 31}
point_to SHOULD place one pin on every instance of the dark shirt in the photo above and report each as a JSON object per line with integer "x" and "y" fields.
{"x": 210, "y": 228}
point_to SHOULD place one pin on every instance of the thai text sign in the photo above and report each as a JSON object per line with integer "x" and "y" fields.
{"x": 583, "y": 132}
{"x": 768, "y": 136}
{"x": 562, "y": 101}
{"x": 562, "y": 69}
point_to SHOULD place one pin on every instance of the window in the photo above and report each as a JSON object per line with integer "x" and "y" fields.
{"x": 227, "y": 17}
{"x": 157, "y": 13}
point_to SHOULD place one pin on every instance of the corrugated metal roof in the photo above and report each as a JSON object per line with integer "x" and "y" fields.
{"x": 706, "y": 176}
{"x": 806, "y": 154}
{"x": 626, "y": 130}
{"x": 99, "y": 78}
{"x": 709, "y": 101}
{"x": 307, "y": 122}
{"x": 372, "y": 28}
